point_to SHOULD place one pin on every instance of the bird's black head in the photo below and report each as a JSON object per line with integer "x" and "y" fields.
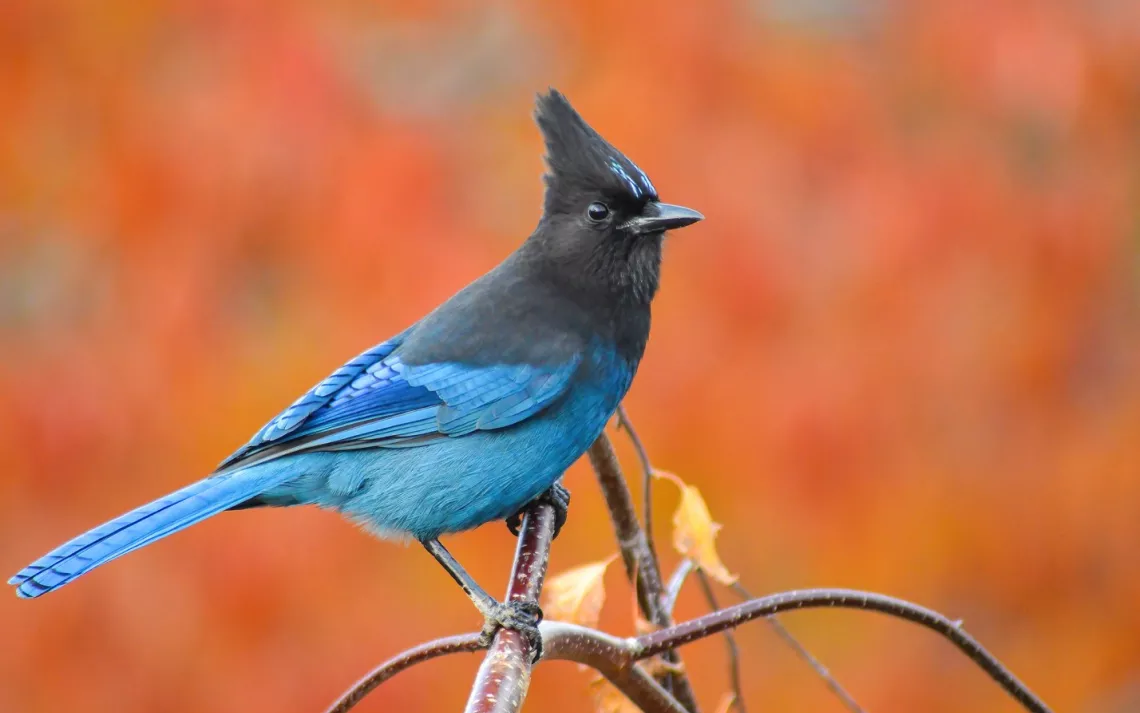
{"x": 602, "y": 218}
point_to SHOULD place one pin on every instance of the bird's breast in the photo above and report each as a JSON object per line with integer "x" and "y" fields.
{"x": 606, "y": 369}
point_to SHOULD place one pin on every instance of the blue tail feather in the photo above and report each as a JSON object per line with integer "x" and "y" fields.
{"x": 142, "y": 526}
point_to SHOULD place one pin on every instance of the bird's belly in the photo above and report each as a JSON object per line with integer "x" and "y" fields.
{"x": 454, "y": 484}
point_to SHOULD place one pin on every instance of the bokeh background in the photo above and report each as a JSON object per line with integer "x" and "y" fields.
{"x": 901, "y": 354}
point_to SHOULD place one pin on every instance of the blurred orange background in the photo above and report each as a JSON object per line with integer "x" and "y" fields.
{"x": 902, "y": 353}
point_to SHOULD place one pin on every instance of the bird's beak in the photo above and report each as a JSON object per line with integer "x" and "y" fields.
{"x": 657, "y": 217}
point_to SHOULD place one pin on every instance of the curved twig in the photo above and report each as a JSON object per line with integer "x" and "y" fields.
{"x": 646, "y": 476}
{"x": 463, "y": 643}
{"x": 616, "y": 658}
{"x": 503, "y": 678}
{"x": 786, "y": 636}
{"x": 667, "y": 639}
{"x": 730, "y": 645}
{"x": 676, "y": 583}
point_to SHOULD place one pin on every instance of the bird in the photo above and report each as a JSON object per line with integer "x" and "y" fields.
{"x": 470, "y": 414}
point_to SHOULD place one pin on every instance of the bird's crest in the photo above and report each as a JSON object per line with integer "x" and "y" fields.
{"x": 578, "y": 157}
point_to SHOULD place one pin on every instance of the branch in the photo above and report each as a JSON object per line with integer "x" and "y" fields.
{"x": 778, "y": 626}
{"x": 616, "y": 658}
{"x": 676, "y": 583}
{"x": 424, "y": 652}
{"x": 730, "y": 645}
{"x": 646, "y": 476}
{"x": 640, "y": 564}
{"x": 610, "y": 656}
{"x": 660, "y": 641}
{"x": 503, "y": 678}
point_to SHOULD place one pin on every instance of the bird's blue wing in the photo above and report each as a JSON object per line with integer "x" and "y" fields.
{"x": 373, "y": 401}
{"x": 339, "y": 383}
{"x": 490, "y": 397}
{"x": 376, "y": 400}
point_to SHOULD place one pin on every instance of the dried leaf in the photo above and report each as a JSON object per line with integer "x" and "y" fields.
{"x": 694, "y": 532}
{"x": 727, "y": 703}
{"x": 657, "y": 667}
{"x": 608, "y": 699}
{"x": 577, "y": 595}
{"x": 643, "y": 626}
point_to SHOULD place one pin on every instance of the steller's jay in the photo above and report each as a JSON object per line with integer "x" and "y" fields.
{"x": 471, "y": 413}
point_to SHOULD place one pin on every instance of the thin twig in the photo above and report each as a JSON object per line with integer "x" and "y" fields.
{"x": 788, "y": 638}
{"x": 676, "y": 582}
{"x": 665, "y": 640}
{"x": 730, "y": 645}
{"x": 503, "y": 678}
{"x": 610, "y": 656}
{"x": 674, "y": 586}
{"x": 640, "y": 564}
{"x": 463, "y": 643}
{"x": 646, "y": 477}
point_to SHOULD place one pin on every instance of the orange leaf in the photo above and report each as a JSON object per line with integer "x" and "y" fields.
{"x": 694, "y": 532}
{"x": 658, "y": 667}
{"x": 577, "y": 595}
{"x": 642, "y": 625}
{"x": 727, "y": 703}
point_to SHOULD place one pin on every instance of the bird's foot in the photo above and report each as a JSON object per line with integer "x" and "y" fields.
{"x": 557, "y": 497}
{"x": 518, "y": 615}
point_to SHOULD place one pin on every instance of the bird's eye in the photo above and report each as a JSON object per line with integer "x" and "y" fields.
{"x": 598, "y": 212}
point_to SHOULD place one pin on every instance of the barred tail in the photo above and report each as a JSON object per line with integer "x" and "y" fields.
{"x": 142, "y": 526}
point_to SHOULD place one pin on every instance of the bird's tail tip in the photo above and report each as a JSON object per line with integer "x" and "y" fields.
{"x": 26, "y": 585}
{"x": 142, "y": 526}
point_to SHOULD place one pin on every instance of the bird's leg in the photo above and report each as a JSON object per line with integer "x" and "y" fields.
{"x": 522, "y": 616}
{"x": 557, "y": 496}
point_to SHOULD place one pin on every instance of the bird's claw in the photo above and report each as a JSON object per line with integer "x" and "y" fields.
{"x": 557, "y": 496}
{"x": 518, "y": 615}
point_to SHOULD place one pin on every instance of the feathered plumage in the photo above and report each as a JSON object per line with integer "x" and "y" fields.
{"x": 473, "y": 411}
